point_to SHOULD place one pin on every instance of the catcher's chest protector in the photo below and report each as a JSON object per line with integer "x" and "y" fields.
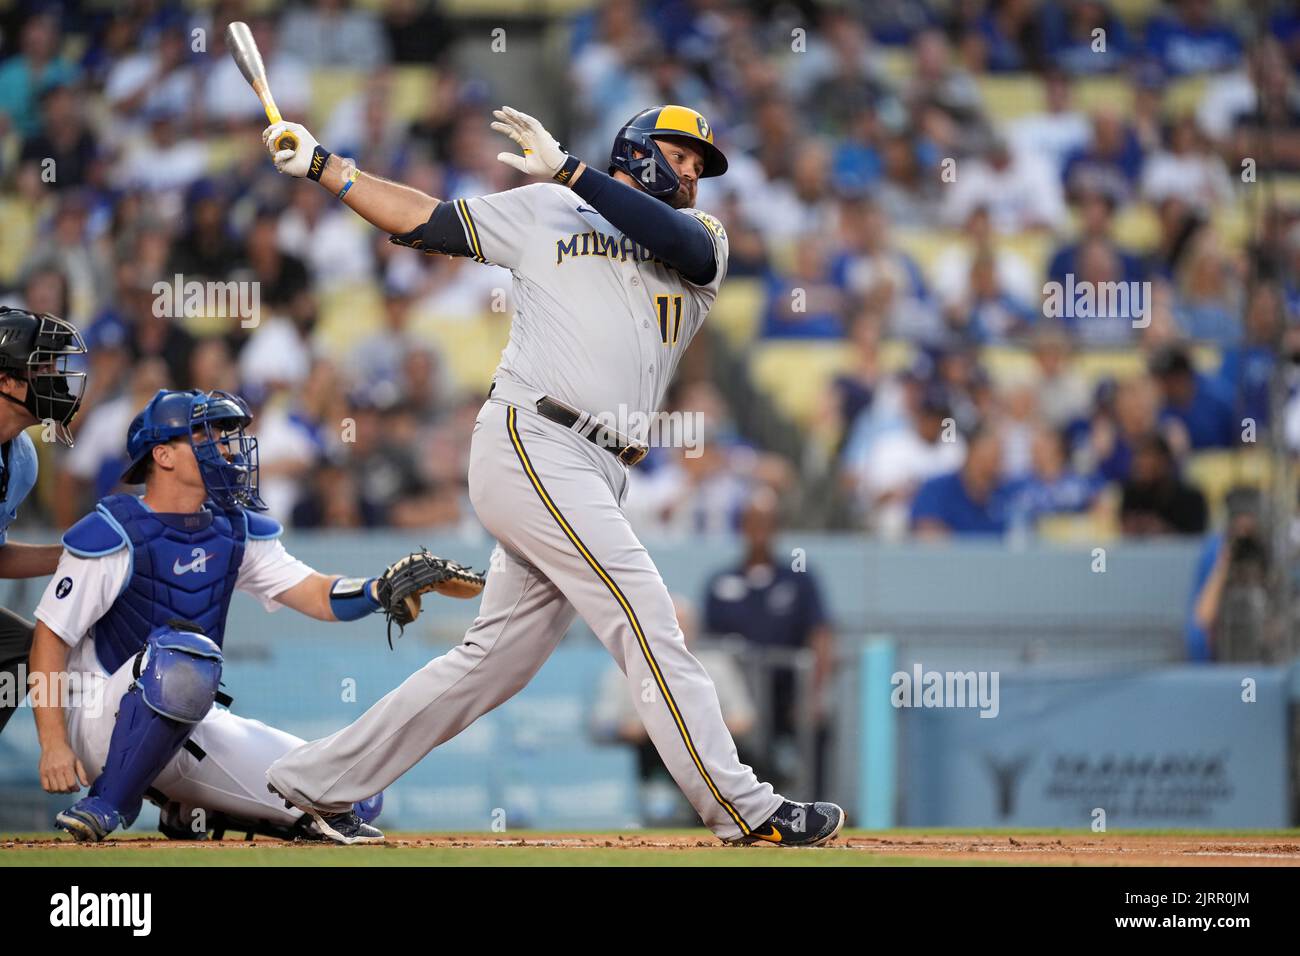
{"x": 182, "y": 566}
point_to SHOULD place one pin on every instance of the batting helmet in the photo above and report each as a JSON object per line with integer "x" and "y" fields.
{"x": 38, "y": 350}
{"x": 227, "y": 457}
{"x": 636, "y": 153}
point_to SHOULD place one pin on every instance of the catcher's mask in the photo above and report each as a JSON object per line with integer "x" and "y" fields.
{"x": 39, "y": 349}
{"x": 227, "y": 456}
{"x": 636, "y": 153}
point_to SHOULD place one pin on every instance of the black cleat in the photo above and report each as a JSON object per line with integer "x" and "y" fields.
{"x": 798, "y": 824}
{"x": 346, "y": 827}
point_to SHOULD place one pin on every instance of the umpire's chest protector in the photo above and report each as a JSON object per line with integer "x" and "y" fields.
{"x": 182, "y": 566}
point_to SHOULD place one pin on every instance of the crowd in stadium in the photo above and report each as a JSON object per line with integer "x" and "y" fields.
{"x": 885, "y": 206}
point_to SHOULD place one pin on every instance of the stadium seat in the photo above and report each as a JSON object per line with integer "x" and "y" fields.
{"x": 1077, "y": 529}
{"x": 471, "y": 348}
{"x": 1095, "y": 93}
{"x": 328, "y": 89}
{"x": 1137, "y": 227}
{"x": 738, "y": 310}
{"x": 411, "y": 86}
{"x": 1008, "y": 96}
{"x": 796, "y": 374}
{"x": 1215, "y": 472}
{"x": 1119, "y": 364}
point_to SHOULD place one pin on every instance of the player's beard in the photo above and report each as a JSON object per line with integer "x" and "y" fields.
{"x": 683, "y": 198}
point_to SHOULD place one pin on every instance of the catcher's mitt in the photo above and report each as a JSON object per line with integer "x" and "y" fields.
{"x": 400, "y": 586}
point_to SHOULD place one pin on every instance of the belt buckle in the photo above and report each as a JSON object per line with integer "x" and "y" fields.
{"x": 630, "y": 455}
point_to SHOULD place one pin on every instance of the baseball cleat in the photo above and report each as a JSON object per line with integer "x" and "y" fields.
{"x": 89, "y": 820}
{"x": 345, "y": 827}
{"x": 798, "y": 824}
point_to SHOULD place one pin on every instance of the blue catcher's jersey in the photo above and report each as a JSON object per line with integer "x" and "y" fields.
{"x": 22, "y": 477}
{"x": 182, "y": 566}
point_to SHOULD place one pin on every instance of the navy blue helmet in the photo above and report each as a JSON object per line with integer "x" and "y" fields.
{"x": 227, "y": 456}
{"x": 636, "y": 153}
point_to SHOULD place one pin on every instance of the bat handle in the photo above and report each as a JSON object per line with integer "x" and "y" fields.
{"x": 286, "y": 141}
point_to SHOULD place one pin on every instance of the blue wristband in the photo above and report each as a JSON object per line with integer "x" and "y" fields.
{"x": 350, "y": 598}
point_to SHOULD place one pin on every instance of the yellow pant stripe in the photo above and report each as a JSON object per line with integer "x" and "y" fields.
{"x": 631, "y": 617}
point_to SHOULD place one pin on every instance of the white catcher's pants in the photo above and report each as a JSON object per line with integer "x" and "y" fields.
{"x": 552, "y": 500}
{"x": 229, "y": 777}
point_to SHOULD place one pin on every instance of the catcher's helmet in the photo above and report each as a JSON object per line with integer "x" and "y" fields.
{"x": 636, "y": 153}
{"x": 222, "y": 417}
{"x": 39, "y": 349}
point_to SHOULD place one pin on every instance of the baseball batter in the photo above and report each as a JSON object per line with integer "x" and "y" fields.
{"x": 613, "y": 275}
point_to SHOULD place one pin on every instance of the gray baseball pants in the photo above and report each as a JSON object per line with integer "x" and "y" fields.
{"x": 552, "y": 500}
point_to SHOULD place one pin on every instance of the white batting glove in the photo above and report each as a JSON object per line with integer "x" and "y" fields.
{"x": 291, "y": 162}
{"x": 542, "y": 154}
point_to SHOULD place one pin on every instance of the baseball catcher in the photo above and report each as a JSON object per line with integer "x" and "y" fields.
{"x": 137, "y": 612}
{"x": 613, "y": 274}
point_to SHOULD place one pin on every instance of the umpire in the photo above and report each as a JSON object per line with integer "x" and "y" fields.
{"x": 38, "y": 385}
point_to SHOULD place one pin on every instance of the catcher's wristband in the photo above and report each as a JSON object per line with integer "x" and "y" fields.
{"x": 350, "y": 598}
{"x": 319, "y": 157}
{"x": 566, "y": 172}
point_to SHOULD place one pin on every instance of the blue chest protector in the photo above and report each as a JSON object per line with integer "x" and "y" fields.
{"x": 183, "y": 566}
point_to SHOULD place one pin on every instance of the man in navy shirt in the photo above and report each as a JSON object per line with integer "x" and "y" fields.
{"x": 971, "y": 500}
{"x": 769, "y": 603}
{"x": 37, "y": 386}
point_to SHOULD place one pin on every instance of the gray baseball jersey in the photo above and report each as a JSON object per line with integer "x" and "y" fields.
{"x": 600, "y": 324}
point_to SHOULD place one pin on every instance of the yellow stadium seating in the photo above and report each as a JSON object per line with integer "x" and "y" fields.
{"x": 1008, "y": 96}
{"x": 1216, "y": 472}
{"x": 412, "y": 86}
{"x": 328, "y": 89}
{"x": 738, "y": 310}
{"x": 1137, "y": 227}
{"x": 345, "y": 314}
{"x": 1095, "y": 93}
{"x": 896, "y": 355}
{"x": 471, "y": 348}
{"x": 795, "y": 374}
{"x": 1081, "y": 529}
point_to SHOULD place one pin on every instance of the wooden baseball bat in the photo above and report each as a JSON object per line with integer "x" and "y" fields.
{"x": 242, "y": 46}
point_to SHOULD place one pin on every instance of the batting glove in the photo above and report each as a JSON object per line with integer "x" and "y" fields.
{"x": 543, "y": 156}
{"x": 291, "y": 162}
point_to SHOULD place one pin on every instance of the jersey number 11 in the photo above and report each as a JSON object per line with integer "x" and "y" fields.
{"x": 665, "y": 325}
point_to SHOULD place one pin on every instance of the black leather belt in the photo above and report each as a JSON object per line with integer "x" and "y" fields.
{"x": 627, "y": 451}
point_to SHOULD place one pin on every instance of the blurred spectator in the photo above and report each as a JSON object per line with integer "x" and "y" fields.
{"x": 809, "y": 303}
{"x": 773, "y": 606}
{"x": 206, "y": 249}
{"x": 1209, "y": 289}
{"x": 1246, "y": 369}
{"x": 417, "y": 31}
{"x": 901, "y": 459}
{"x": 65, "y": 152}
{"x": 1122, "y": 417}
{"x": 36, "y": 66}
{"x": 873, "y": 270}
{"x": 852, "y": 391}
{"x": 1187, "y": 169}
{"x": 1156, "y": 501}
{"x": 157, "y": 78}
{"x": 954, "y": 268}
{"x": 1110, "y": 163}
{"x": 1096, "y": 222}
{"x": 1193, "y": 401}
{"x": 973, "y": 500}
{"x": 1052, "y": 486}
{"x": 1020, "y": 191}
{"x": 1058, "y": 131}
{"x": 334, "y": 36}
{"x": 908, "y": 192}
{"x": 1004, "y": 38}
{"x": 989, "y": 313}
{"x": 1084, "y": 37}
{"x": 614, "y": 719}
{"x": 1266, "y": 128}
{"x": 1189, "y": 38}
{"x": 1063, "y": 393}
{"x": 93, "y": 467}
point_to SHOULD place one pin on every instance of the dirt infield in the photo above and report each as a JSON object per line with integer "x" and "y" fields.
{"x": 683, "y": 848}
